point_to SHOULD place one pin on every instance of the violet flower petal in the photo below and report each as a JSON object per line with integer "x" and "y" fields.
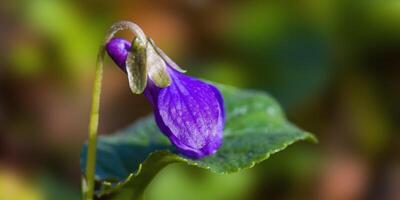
{"x": 118, "y": 49}
{"x": 189, "y": 112}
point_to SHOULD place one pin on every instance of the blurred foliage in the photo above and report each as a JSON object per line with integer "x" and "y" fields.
{"x": 207, "y": 185}
{"x": 59, "y": 22}
{"x": 334, "y": 64}
{"x": 13, "y": 186}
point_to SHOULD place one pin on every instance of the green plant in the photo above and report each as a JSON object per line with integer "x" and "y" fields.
{"x": 254, "y": 125}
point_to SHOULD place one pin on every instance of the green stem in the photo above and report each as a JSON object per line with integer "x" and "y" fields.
{"x": 94, "y": 115}
{"x": 93, "y": 125}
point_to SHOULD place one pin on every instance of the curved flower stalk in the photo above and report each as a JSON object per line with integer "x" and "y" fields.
{"x": 188, "y": 111}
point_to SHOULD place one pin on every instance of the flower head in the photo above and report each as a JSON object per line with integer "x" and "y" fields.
{"x": 190, "y": 112}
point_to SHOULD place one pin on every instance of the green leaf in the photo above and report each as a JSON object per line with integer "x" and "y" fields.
{"x": 255, "y": 128}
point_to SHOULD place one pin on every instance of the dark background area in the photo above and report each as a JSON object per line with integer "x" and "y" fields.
{"x": 334, "y": 65}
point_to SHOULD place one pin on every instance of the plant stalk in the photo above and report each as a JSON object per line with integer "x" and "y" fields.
{"x": 93, "y": 125}
{"x": 94, "y": 115}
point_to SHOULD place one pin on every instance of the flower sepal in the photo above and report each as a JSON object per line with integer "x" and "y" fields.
{"x": 136, "y": 66}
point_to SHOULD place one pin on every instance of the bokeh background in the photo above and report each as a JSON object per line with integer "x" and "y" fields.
{"x": 333, "y": 64}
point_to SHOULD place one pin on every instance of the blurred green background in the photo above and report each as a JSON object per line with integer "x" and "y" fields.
{"x": 333, "y": 64}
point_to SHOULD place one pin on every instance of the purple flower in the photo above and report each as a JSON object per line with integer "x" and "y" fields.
{"x": 190, "y": 112}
